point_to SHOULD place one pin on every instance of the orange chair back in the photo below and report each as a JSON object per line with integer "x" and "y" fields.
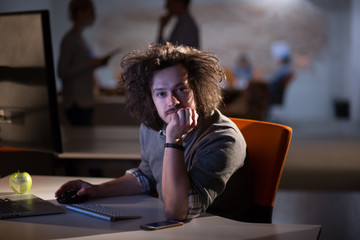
{"x": 267, "y": 145}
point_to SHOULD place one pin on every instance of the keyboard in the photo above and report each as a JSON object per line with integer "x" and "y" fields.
{"x": 103, "y": 212}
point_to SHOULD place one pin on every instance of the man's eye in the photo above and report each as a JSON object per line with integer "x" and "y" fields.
{"x": 160, "y": 94}
{"x": 182, "y": 89}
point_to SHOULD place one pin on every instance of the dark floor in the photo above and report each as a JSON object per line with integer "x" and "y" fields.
{"x": 338, "y": 212}
{"x": 321, "y": 179}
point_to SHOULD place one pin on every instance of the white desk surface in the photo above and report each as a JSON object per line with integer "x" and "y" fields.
{"x": 72, "y": 225}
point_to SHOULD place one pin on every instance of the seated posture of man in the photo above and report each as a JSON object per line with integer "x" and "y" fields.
{"x": 189, "y": 150}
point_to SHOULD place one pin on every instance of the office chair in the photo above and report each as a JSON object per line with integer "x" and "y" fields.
{"x": 267, "y": 147}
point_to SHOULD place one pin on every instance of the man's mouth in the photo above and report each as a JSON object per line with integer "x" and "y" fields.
{"x": 171, "y": 111}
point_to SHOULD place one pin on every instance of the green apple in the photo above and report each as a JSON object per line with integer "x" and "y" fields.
{"x": 20, "y": 182}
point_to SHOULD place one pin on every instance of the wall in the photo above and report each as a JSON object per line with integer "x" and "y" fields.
{"x": 311, "y": 96}
{"x": 354, "y": 68}
{"x": 319, "y": 32}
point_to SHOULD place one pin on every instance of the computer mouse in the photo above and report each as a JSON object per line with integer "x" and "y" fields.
{"x": 71, "y": 197}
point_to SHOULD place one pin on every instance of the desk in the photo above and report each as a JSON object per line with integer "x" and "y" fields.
{"x": 72, "y": 225}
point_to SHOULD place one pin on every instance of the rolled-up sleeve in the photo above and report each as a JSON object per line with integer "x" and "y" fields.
{"x": 142, "y": 179}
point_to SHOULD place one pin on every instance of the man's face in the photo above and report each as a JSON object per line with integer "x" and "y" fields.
{"x": 87, "y": 15}
{"x": 173, "y": 5}
{"x": 170, "y": 91}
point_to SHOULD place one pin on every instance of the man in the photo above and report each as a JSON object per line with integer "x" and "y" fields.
{"x": 189, "y": 150}
{"x": 76, "y": 65}
{"x": 185, "y": 31}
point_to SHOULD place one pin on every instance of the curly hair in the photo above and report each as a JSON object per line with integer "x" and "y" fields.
{"x": 204, "y": 77}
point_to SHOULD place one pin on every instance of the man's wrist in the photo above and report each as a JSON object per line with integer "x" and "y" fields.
{"x": 174, "y": 145}
{"x": 178, "y": 141}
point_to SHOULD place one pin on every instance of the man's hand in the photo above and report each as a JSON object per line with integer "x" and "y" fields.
{"x": 122, "y": 186}
{"x": 84, "y": 188}
{"x": 175, "y": 179}
{"x": 180, "y": 124}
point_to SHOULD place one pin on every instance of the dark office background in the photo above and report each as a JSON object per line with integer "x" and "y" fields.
{"x": 322, "y": 35}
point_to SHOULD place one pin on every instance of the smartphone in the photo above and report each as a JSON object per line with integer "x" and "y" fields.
{"x": 161, "y": 225}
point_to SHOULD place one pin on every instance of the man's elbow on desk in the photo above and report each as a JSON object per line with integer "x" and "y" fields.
{"x": 177, "y": 214}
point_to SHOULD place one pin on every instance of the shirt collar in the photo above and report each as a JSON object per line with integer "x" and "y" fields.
{"x": 162, "y": 132}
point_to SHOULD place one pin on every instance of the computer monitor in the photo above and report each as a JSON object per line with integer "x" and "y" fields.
{"x": 28, "y": 97}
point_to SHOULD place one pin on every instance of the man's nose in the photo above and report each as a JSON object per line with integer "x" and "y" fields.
{"x": 172, "y": 100}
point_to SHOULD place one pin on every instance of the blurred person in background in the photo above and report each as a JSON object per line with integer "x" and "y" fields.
{"x": 77, "y": 64}
{"x": 186, "y": 31}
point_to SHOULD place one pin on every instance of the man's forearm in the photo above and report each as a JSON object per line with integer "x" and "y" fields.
{"x": 123, "y": 186}
{"x": 175, "y": 184}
